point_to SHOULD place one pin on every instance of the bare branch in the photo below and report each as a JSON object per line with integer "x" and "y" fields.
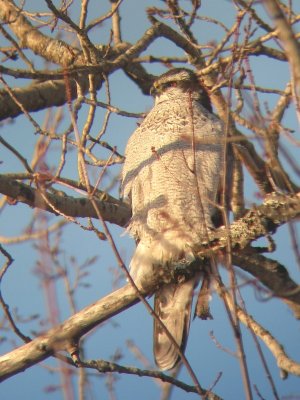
{"x": 283, "y": 361}
{"x": 104, "y": 366}
{"x": 112, "y": 211}
{"x": 272, "y": 274}
{"x": 290, "y": 44}
{"x": 30, "y": 37}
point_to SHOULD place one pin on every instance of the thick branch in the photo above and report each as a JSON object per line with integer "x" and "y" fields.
{"x": 112, "y": 210}
{"x": 273, "y": 275}
{"x": 37, "y": 96}
{"x": 66, "y": 335}
{"x": 52, "y": 91}
{"x": 276, "y": 210}
{"x": 261, "y": 220}
{"x": 51, "y": 49}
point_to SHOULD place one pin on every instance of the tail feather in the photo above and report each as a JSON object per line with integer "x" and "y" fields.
{"x": 172, "y": 304}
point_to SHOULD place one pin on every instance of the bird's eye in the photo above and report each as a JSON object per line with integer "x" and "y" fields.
{"x": 169, "y": 84}
{"x": 160, "y": 87}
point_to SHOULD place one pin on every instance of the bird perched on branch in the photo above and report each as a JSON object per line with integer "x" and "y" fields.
{"x": 171, "y": 177}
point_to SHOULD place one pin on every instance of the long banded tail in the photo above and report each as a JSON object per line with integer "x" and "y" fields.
{"x": 172, "y": 304}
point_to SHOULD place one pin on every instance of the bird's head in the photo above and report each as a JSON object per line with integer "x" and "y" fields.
{"x": 179, "y": 81}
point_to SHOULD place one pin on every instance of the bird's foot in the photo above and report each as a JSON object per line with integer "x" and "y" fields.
{"x": 184, "y": 269}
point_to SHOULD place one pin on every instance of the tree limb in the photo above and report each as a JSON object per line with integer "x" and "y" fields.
{"x": 38, "y": 96}
{"x": 50, "y": 49}
{"x": 272, "y": 274}
{"x": 104, "y": 366}
{"x": 112, "y": 210}
{"x": 276, "y": 210}
{"x": 289, "y": 41}
{"x": 259, "y": 221}
{"x": 283, "y": 361}
{"x": 66, "y": 335}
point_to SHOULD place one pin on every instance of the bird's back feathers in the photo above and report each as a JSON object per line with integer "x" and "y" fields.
{"x": 171, "y": 176}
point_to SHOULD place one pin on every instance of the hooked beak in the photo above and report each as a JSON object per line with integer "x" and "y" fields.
{"x": 153, "y": 91}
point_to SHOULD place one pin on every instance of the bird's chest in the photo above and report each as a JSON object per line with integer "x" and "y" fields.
{"x": 165, "y": 140}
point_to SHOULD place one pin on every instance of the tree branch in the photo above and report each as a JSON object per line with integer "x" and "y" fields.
{"x": 283, "y": 361}
{"x": 289, "y": 41}
{"x": 272, "y": 274}
{"x": 66, "y": 335}
{"x": 276, "y": 210}
{"x": 104, "y": 366}
{"x": 50, "y": 49}
{"x": 258, "y": 222}
{"x": 112, "y": 210}
{"x": 38, "y": 96}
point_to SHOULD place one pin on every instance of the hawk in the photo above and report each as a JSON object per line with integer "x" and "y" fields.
{"x": 171, "y": 177}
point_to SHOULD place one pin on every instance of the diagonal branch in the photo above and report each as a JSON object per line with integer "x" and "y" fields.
{"x": 272, "y": 274}
{"x": 50, "y": 49}
{"x": 275, "y": 211}
{"x": 66, "y": 335}
{"x": 283, "y": 361}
